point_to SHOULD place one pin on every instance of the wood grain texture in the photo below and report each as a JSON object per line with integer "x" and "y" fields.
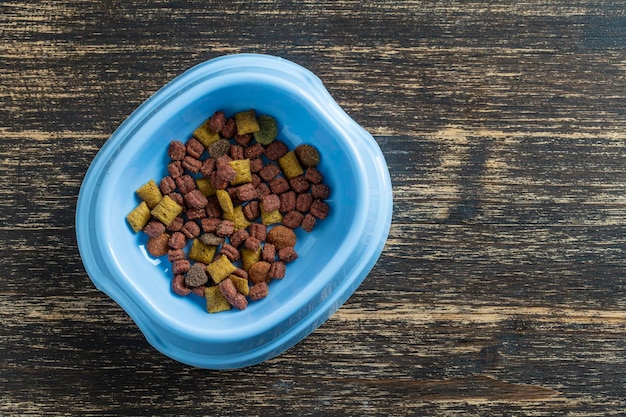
{"x": 502, "y": 287}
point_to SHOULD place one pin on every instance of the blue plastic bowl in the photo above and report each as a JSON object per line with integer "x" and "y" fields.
{"x": 333, "y": 260}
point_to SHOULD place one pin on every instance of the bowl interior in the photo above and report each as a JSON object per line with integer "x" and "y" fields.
{"x": 144, "y": 156}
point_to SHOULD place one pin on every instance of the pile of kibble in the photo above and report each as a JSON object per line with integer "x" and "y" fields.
{"x": 225, "y": 213}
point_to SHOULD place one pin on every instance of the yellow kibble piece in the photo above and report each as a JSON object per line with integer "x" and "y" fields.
{"x": 205, "y": 135}
{"x": 237, "y": 217}
{"x": 150, "y": 193}
{"x": 139, "y": 217}
{"x": 249, "y": 257}
{"x": 290, "y": 165}
{"x": 167, "y": 210}
{"x": 215, "y": 300}
{"x": 270, "y": 217}
{"x": 201, "y": 252}
{"x": 246, "y": 122}
{"x": 226, "y": 203}
{"x": 205, "y": 187}
{"x": 220, "y": 269}
{"x": 242, "y": 168}
{"x": 241, "y": 284}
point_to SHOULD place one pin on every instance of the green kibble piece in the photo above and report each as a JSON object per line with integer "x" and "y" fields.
{"x": 308, "y": 156}
{"x": 268, "y": 131}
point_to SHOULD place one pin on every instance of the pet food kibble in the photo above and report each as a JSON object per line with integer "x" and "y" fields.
{"x": 258, "y": 291}
{"x": 177, "y": 197}
{"x": 290, "y": 165}
{"x": 299, "y": 184}
{"x": 249, "y": 258}
{"x": 278, "y": 270}
{"x": 158, "y": 246}
{"x": 199, "y": 290}
{"x": 225, "y": 228}
{"x": 154, "y": 228}
{"x": 139, "y": 217}
{"x": 254, "y": 151}
{"x": 268, "y": 253}
{"x": 241, "y": 273}
{"x": 167, "y": 185}
{"x": 241, "y": 284}
{"x": 258, "y": 231}
{"x": 176, "y": 224}
{"x": 213, "y": 208}
{"x": 313, "y": 176}
{"x": 276, "y": 150}
{"x": 246, "y": 122}
{"x": 219, "y": 148}
{"x": 321, "y": 191}
{"x": 307, "y": 155}
{"x": 220, "y": 268}
{"x": 234, "y": 298}
{"x": 230, "y": 128}
{"x": 281, "y": 237}
{"x": 269, "y": 172}
{"x": 179, "y": 286}
{"x": 211, "y": 239}
{"x": 225, "y": 202}
{"x": 279, "y": 185}
{"x": 252, "y": 210}
{"x": 252, "y": 243}
{"x": 308, "y": 222}
{"x": 262, "y": 190}
{"x": 270, "y": 217}
{"x": 319, "y": 209}
{"x": 192, "y": 164}
{"x": 196, "y": 275}
{"x": 167, "y": 210}
{"x": 230, "y": 252}
{"x": 215, "y": 301}
{"x": 150, "y": 193}
{"x": 303, "y": 202}
{"x": 180, "y": 267}
{"x": 175, "y": 169}
{"x": 194, "y": 148}
{"x": 205, "y": 134}
{"x": 242, "y": 171}
{"x": 185, "y": 183}
{"x": 202, "y": 252}
{"x": 177, "y": 240}
{"x": 207, "y": 168}
{"x": 256, "y": 164}
{"x": 217, "y": 121}
{"x": 243, "y": 140}
{"x": 270, "y": 202}
{"x": 175, "y": 254}
{"x": 226, "y": 173}
{"x": 287, "y": 254}
{"x": 293, "y": 219}
{"x": 205, "y": 187}
{"x": 287, "y": 201}
{"x": 267, "y": 130}
{"x": 177, "y": 150}
{"x": 195, "y": 199}
{"x": 238, "y": 218}
{"x": 236, "y": 152}
{"x": 259, "y": 272}
{"x": 246, "y": 192}
{"x": 238, "y": 237}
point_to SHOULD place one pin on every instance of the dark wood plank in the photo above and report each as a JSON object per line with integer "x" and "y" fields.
{"x": 501, "y": 290}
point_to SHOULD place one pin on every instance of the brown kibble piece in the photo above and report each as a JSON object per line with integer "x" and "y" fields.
{"x": 258, "y": 291}
{"x": 299, "y": 184}
{"x": 276, "y": 150}
{"x": 308, "y": 222}
{"x": 287, "y": 201}
{"x": 268, "y": 253}
{"x": 157, "y": 246}
{"x": 269, "y": 172}
{"x": 177, "y": 240}
{"x": 238, "y": 237}
{"x": 251, "y": 210}
{"x": 303, "y": 202}
{"x": 225, "y": 228}
{"x": 192, "y": 164}
{"x": 258, "y": 231}
{"x": 229, "y": 291}
{"x": 176, "y": 151}
{"x": 320, "y": 191}
{"x": 195, "y": 199}
{"x": 259, "y": 272}
{"x": 281, "y": 236}
{"x": 175, "y": 255}
{"x": 175, "y": 169}
{"x": 278, "y": 270}
{"x": 319, "y": 209}
{"x": 154, "y": 228}
{"x": 185, "y": 183}
{"x": 229, "y": 129}
{"x": 191, "y": 229}
{"x": 211, "y": 239}
{"x": 196, "y": 275}
{"x": 194, "y": 148}
{"x": 270, "y": 202}
{"x": 217, "y": 121}
{"x": 293, "y": 219}
{"x": 279, "y": 185}
{"x": 313, "y": 176}
{"x": 167, "y": 185}
{"x": 287, "y": 254}
{"x": 179, "y": 286}
{"x": 180, "y": 267}
{"x": 230, "y": 252}
{"x": 176, "y": 224}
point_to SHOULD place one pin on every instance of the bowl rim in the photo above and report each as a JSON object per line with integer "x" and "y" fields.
{"x": 378, "y": 204}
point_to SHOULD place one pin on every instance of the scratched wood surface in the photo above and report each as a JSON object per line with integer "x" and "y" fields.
{"x": 502, "y": 287}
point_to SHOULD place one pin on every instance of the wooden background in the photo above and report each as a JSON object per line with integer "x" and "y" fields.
{"x": 502, "y": 287}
